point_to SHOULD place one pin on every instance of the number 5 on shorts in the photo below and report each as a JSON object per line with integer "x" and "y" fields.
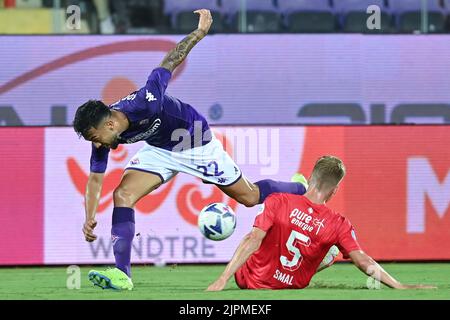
{"x": 294, "y": 238}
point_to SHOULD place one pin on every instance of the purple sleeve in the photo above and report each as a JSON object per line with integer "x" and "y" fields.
{"x": 147, "y": 100}
{"x": 99, "y": 159}
{"x": 157, "y": 83}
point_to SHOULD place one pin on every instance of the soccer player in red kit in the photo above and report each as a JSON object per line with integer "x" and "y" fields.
{"x": 292, "y": 234}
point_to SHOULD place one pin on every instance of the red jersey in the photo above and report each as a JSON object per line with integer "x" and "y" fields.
{"x": 299, "y": 235}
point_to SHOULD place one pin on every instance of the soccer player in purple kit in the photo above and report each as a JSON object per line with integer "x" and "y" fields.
{"x": 178, "y": 139}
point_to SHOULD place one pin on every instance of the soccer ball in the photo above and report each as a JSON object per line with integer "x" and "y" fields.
{"x": 217, "y": 221}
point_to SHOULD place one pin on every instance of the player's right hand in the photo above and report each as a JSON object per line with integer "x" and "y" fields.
{"x": 218, "y": 285}
{"x": 205, "y": 21}
{"x": 88, "y": 230}
{"x": 415, "y": 286}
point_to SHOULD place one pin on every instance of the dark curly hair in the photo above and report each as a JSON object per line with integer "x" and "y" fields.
{"x": 89, "y": 115}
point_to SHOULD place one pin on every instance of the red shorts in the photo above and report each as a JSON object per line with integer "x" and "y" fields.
{"x": 240, "y": 280}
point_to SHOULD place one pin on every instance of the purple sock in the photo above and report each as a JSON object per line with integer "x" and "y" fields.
{"x": 267, "y": 187}
{"x": 122, "y": 234}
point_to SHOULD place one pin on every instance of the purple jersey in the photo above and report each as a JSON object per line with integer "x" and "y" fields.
{"x": 154, "y": 116}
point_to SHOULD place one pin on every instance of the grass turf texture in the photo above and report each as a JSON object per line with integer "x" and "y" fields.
{"x": 341, "y": 281}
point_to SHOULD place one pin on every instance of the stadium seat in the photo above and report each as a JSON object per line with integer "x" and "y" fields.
{"x": 233, "y": 6}
{"x": 26, "y": 21}
{"x": 303, "y": 5}
{"x": 307, "y": 15}
{"x": 173, "y": 6}
{"x": 186, "y": 21}
{"x": 259, "y": 22}
{"x": 447, "y": 13}
{"x": 28, "y": 3}
{"x": 140, "y": 16}
{"x": 408, "y": 15}
{"x": 261, "y": 16}
{"x": 353, "y": 15}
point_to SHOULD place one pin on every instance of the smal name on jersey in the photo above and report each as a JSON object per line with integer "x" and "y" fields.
{"x": 283, "y": 277}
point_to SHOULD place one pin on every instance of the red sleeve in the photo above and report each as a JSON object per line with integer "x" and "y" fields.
{"x": 266, "y": 215}
{"x": 347, "y": 238}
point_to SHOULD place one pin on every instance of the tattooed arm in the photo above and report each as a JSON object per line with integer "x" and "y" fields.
{"x": 179, "y": 53}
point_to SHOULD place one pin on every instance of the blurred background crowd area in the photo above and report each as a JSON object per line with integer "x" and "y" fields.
{"x": 230, "y": 16}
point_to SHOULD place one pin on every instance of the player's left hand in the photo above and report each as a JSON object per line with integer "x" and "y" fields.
{"x": 88, "y": 230}
{"x": 205, "y": 21}
{"x": 218, "y": 285}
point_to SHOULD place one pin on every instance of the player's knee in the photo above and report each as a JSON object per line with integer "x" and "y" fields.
{"x": 248, "y": 199}
{"x": 123, "y": 197}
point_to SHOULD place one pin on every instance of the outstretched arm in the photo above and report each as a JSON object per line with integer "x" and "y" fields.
{"x": 179, "y": 53}
{"x": 247, "y": 247}
{"x": 92, "y": 197}
{"x": 370, "y": 267}
{"x": 99, "y": 161}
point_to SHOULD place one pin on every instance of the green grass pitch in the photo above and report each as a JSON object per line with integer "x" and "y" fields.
{"x": 341, "y": 281}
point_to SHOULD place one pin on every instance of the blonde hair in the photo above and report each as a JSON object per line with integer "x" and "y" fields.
{"x": 327, "y": 173}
